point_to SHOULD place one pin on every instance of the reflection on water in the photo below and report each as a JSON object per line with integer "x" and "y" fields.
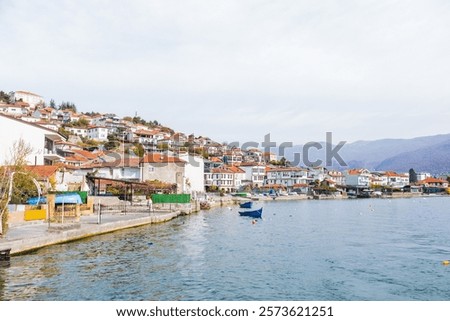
{"x": 307, "y": 250}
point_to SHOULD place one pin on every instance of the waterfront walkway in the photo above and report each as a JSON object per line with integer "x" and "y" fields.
{"x": 29, "y": 236}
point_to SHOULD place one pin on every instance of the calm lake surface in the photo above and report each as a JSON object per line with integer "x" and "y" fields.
{"x": 372, "y": 249}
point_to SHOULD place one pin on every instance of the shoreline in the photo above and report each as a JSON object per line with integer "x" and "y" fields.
{"x": 27, "y": 237}
{"x": 230, "y": 200}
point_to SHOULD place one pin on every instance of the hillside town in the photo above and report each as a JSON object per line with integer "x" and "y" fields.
{"x": 94, "y": 152}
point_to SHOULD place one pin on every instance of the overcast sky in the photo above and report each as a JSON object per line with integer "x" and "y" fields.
{"x": 237, "y": 70}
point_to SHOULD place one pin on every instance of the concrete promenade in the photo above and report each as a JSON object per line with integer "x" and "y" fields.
{"x": 25, "y": 237}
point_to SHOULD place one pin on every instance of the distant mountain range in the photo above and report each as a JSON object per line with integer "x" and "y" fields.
{"x": 424, "y": 154}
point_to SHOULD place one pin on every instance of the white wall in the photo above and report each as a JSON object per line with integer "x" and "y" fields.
{"x": 12, "y": 130}
{"x": 195, "y": 173}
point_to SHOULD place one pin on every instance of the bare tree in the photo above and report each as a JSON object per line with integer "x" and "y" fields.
{"x": 14, "y": 164}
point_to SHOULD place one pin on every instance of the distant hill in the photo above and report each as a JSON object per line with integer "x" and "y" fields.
{"x": 428, "y": 153}
{"x": 434, "y": 159}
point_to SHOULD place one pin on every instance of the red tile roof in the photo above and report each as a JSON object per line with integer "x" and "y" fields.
{"x": 43, "y": 171}
{"x": 355, "y": 171}
{"x": 432, "y": 180}
{"x": 235, "y": 169}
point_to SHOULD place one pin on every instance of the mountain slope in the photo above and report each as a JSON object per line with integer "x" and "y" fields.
{"x": 428, "y": 153}
{"x": 434, "y": 159}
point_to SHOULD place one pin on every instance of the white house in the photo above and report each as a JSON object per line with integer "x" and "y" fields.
{"x": 357, "y": 177}
{"x": 317, "y": 173}
{"x": 82, "y": 132}
{"x": 228, "y": 178}
{"x": 336, "y": 176}
{"x": 287, "y": 176}
{"x": 32, "y": 99}
{"x": 13, "y": 110}
{"x": 423, "y": 176}
{"x": 253, "y": 155}
{"x": 99, "y": 133}
{"x": 396, "y": 180}
{"x": 254, "y": 174}
{"x": 41, "y": 139}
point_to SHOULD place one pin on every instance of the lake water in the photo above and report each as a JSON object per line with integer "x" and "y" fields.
{"x": 372, "y": 249}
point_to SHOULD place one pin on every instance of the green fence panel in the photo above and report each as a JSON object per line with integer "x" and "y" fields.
{"x": 171, "y": 198}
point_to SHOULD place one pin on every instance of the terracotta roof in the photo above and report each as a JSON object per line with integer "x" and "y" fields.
{"x": 43, "y": 171}
{"x": 22, "y": 104}
{"x": 355, "y": 171}
{"x": 432, "y": 180}
{"x": 216, "y": 159}
{"x": 235, "y": 169}
{"x": 250, "y": 164}
{"x": 222, "y": 171}
{"x": 160, "y": 158}
{"x": 393, "y": 174}
{"x": 299, "y": 185}
{"x": 86, "y": 154}
{"x": 75, "y": 158}
{"x": 146, "y": 132}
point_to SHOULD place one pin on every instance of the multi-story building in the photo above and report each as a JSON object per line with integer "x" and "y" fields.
{"x": 79, "y": 131}
{"x": 42, "y": 141}
{"x": 32, "y": 99}
{"x": 357, "y": 178}
{"x": 396, "y": 180}
{"x": 227, "y": 178}
{"x": 98, "y": 133}
{"x": 254, "y": 174}
{"x": 337, "y": 177}
{"x": 287, "y": 176}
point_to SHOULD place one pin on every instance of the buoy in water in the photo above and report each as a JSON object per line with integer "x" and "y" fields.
{"x": 446, "y": 262}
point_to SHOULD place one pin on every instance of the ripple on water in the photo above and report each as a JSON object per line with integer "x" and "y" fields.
{"x": 336, "y": 250}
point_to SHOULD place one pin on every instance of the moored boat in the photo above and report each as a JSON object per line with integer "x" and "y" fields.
{"x": 246, "y": 205}
{"x": 205, "y": 205}
{"x": 254, "y": 214}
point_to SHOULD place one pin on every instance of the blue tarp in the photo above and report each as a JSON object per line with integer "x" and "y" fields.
{"x": 59, "y": 199}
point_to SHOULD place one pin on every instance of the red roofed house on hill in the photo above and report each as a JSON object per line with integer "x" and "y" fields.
{"x": 164, "y": 168}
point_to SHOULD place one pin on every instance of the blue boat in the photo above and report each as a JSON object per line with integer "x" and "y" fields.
{"x": 254, "y": 214}
{"x": 246, "y": 205}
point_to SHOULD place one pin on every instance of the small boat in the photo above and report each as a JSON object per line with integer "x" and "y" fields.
{"x": 246, "y": 205}
{"x": 205, "y": 205}
{"x": 255, "y": 213}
